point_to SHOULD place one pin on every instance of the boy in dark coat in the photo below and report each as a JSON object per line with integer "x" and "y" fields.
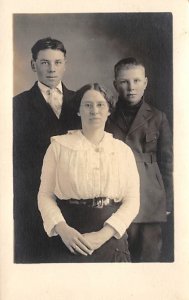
{"x": 146, "y": 130}
{"x": 43, "y": 111}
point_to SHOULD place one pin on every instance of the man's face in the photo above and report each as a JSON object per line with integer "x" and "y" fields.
{"x": 131, "y": 83}
{"x": 50, "y": 67}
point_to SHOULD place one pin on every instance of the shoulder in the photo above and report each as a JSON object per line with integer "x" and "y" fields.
{"x": 153, "y": 109}
{"x": 121, "y": 145}
{"x": 67, "y": 91}
{"x": 71, "y": 140}
{"x": 21, "y": 96}
{"x": 25, "y": 95}
{"x": 118, "y": 145}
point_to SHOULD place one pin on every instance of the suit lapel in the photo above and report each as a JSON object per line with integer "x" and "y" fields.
{"x": 65, "y": 96}
{"x": 144, "y": 113}
{"x": 39, "y": 102}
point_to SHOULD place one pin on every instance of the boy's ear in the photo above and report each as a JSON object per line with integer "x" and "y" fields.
{"x": 146, "y": 81}
{"x": 33, "y": 65}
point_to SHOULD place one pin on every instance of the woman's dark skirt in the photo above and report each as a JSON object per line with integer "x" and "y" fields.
{"x": 88, "y": 219}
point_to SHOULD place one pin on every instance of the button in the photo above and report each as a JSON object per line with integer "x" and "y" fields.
{"x": 97, "y": 149}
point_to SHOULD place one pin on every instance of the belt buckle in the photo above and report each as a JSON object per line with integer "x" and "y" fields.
{"x": 100, "y": 203}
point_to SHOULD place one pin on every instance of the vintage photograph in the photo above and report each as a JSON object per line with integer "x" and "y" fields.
{"x": 93, "y": 138}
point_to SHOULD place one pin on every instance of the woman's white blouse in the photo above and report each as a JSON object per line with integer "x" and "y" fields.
{"x": 75, "y": 168}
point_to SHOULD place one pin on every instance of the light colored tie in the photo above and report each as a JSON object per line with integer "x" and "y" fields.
{"x": 55, "y": 100}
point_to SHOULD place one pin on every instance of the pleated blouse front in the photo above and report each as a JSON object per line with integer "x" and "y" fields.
{"x": 75, "y": 168}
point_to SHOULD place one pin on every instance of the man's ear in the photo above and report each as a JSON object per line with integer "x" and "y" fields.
{"x": 115, "y": 84}
{"x": 33, "y": 65}
{"x": 65, "y": 62}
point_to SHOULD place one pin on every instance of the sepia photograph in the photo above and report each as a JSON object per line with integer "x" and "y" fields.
{"x": 94, "y": 169}
{"x": 123, "y": 62}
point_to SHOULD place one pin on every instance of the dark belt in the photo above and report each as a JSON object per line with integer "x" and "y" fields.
{"x": 145, "y": 157}
{"x": 99, "y": 202}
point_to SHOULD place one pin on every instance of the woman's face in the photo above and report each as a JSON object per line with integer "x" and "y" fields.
{"x": 94, "y": 110}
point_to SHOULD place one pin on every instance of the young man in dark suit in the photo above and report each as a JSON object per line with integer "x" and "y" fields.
{"x": 43, "y": 111}
{"x": 145, "y": 129}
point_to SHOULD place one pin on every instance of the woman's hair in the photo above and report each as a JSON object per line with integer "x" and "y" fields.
{"x": 95, "y": 87}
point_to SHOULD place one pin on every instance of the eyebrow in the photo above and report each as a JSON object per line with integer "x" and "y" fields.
{"x": 43, "y": 59}
{"x": 90, "y": 101}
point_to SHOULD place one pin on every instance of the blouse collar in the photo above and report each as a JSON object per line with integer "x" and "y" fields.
{"x": 75, "y": 140}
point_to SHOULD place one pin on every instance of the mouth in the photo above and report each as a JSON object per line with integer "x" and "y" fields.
{"x": 131, "y": 95}
{"x": 51, "y": 77}
{"x": 94, "y": 119}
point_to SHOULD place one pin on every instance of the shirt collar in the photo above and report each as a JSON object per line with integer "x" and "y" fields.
{"x": 45, "y": 88}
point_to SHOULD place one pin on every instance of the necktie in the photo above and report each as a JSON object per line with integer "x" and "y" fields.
{"x": 55, "y": 100}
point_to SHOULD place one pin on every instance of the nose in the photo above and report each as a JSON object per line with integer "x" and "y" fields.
{"x": 51, "y": 67}
{"x": 130, "y": 85}
{"x": 94, "y": 109}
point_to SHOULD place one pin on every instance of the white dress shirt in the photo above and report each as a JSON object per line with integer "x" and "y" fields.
{"x": 53, "y": 95}
{"x": 75, "y": 168}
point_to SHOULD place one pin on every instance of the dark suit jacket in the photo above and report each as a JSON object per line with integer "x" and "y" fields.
{"x": 150, "y": 139}
{"x": 34, "y": 122}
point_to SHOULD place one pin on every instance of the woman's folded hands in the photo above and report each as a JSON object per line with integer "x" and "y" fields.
{"x": 86, "y": 243}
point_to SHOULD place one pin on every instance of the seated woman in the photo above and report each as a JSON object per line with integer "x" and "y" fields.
{"x": 89, "y": 192}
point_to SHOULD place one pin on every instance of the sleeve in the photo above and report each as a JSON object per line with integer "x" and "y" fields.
{"x": 129, "y": 208}
{"x": 165, "y": 160}
{"x": 47, "y": 205}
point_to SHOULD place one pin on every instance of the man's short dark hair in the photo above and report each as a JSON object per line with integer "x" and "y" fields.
{"x": 126, "y": 63}
{"x": 47, "y": 43}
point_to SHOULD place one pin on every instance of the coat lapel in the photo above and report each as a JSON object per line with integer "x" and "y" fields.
{"x": 119, "y": 120}
{"x": 144, "y": 113}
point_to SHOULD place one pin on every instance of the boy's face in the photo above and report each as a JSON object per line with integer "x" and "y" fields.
{"x": 131, "y": 83}
{"x": 50, "y": 67}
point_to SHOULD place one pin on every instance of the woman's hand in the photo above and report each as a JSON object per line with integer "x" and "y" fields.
{"x": 73, "y": 240}
{"x": 98, "y": 238}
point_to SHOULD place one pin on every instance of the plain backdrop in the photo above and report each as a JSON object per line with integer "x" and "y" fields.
{"x": 94, "y": 43}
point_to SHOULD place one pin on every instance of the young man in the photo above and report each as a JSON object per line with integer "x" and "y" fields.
{"x": 145, "y": 129}
{"x": 43, "y": 111}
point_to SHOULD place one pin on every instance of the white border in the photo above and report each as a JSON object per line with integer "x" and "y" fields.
{"x": 97, "y": 281}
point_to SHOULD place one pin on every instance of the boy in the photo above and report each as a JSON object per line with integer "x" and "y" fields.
{"x": 145, "y": 129}
{"x": 43, "y": 111}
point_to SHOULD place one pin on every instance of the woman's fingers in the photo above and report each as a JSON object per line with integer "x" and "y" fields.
{"x": 82, "y": 246}
{"x": 85, "y": 242}
{"x": 73, "y": 239}
{"x": 77, "y": 249}
{"x": 78, "y": 245}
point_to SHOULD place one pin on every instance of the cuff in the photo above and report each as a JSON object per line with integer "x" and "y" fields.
{"x": 119, "y": 226}
{"x": 50, "y": 225}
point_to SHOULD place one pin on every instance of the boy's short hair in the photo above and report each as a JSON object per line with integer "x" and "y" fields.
{"x": 126, "y": 63}
{"x": 47, "y": 43}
